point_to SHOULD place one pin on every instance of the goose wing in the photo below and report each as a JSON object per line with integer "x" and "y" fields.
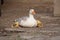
{"x": 21, "y": 19}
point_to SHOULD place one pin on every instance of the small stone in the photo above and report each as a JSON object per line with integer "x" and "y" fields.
{"x": 26, "y": 37}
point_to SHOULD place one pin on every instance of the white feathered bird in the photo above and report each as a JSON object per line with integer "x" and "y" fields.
{"x": 28, "y": 21}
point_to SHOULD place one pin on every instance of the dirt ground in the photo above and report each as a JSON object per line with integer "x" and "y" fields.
{"x": 50, "y": 30}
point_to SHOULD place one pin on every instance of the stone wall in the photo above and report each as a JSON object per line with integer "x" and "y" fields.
{"x": 42, "y": 5}
{"x": 57, "y": 8}
{"x": 0, "y": 7}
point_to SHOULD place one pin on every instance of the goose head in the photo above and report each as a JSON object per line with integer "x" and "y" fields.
{"x": 32, "y": 12}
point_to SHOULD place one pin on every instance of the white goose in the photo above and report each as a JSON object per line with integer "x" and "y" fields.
{"x": 28, "y": 21}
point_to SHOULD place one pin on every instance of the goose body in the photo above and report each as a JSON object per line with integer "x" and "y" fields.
{"x": 28, "y": 21}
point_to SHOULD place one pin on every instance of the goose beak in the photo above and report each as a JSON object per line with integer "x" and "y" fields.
{"x": 33, "y": 13}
